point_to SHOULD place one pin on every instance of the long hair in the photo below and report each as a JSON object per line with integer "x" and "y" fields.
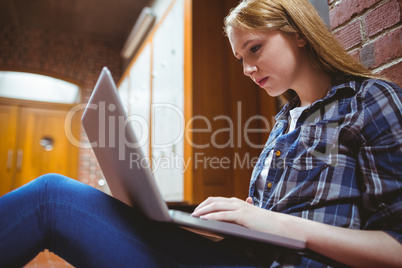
{"x": 298, "y": 17}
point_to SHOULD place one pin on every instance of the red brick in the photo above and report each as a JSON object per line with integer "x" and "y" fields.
{"x": 388, "y": 47}
{"x": 367, "y": 56}
{"x": 383, "y": 17}
{"x": 383, "y": 50}
{"x": 355, "y": 54}
{"x": 347, "y": 9}
{"x": 349, "y": 36}
{"x": 400, "y": 9}
{"x": 393, "y": 73}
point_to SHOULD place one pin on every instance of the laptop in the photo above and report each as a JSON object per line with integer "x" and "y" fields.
{"x": 115, "y": 145}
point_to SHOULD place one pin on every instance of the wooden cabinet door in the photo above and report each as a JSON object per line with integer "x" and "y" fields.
{"x": 8, "y": 131}
{"x": 43, "y": 145}
{"x": 34, "y": 141}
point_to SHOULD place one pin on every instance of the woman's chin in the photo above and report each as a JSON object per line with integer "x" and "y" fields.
{"x": 273, "y": 92}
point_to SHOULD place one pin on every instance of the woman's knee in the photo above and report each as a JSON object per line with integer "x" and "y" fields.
{"x": 52, "y": 178}
{"x": 55, "y": 182}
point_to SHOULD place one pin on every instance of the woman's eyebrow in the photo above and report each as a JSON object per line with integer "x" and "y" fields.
{"x": 246, "y": 43}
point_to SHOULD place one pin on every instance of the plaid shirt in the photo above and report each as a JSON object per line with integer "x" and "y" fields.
{"x": 342, "y": 165}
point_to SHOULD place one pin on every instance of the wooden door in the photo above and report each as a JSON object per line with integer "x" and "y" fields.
{"x": 43, "y": 146}
{"x": 34, "y": 141}
{"x": 8, "y": 139}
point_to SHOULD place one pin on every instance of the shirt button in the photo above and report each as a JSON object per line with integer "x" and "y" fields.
{"x": 269, "y": 185}
{"x": 278, "y": 153}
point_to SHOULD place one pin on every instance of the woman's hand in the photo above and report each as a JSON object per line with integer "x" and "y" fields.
{"x": 227, "y": 209}
{"x": 241, "y": 212}
{"x": 357, "y": 248}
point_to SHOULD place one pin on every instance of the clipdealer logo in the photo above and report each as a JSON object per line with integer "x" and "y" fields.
{"x": 231, "y": 133}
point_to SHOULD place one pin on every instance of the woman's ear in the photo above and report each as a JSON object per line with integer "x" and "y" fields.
{"x": 300, "y": 41}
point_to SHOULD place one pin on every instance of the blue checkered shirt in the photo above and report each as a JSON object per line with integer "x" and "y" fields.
{"x": 342, "y": 165}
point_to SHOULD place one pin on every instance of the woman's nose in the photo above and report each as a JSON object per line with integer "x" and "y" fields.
{"x": 249, "y": 69}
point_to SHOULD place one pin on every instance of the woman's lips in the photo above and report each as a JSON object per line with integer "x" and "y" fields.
{"x": 261, "y": 82}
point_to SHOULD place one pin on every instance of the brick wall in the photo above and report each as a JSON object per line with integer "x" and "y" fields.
{"x": 71, "y": 57}
{"x": 66, "y": 56}
{"x": 370, "y": 30}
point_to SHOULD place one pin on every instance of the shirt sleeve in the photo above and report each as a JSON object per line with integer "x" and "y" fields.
{"x": 380, "y": 157}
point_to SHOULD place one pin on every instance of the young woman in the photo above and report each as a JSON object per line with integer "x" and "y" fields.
{"x": 330, "y": 172}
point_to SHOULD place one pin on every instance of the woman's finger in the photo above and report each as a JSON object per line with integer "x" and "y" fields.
{"x": 216, "y": 206}
{"x": 226, "y": 216}
{"x": 211, "y": 200}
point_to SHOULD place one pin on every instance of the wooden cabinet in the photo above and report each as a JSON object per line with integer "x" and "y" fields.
{"x": 8, "y": 140}
{"x": 36, "y": 138}
{"x": 223, "y": 119}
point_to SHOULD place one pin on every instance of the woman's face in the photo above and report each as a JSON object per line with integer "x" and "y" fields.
{"x": 269, "y": 58}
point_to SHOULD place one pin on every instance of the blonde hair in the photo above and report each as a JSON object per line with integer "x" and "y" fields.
{"x": 297, "y": 17}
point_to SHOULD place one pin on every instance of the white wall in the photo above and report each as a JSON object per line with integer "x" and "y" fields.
{"x": 322, "y": 8}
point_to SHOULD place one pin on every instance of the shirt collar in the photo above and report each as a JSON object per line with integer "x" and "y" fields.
{"x": 339, "y": 84}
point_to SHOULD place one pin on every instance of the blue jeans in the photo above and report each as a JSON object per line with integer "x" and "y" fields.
{"x": 88, "y": 228}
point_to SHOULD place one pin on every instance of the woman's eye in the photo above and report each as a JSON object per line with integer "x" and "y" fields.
{"x": 255, "y": 49}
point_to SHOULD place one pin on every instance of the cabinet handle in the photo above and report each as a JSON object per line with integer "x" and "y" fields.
{"x": 10, "y": 159}
{"x": 19, "y": 159}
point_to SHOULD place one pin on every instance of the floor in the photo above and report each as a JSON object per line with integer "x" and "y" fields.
{"x": 47, "y": 260}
